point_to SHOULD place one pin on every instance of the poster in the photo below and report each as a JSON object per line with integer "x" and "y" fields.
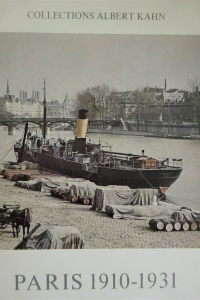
{"x": 118, "y": 273}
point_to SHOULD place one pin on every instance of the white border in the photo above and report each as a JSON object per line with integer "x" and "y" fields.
{"x": 182, "y": 17}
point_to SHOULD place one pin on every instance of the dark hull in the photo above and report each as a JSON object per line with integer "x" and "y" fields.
{"x": 137, "y": 178}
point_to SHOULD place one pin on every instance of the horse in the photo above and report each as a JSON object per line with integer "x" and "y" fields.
{"x": 20, "y": 217}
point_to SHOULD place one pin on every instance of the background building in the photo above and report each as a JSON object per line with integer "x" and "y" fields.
{"x": 55, "y": 109}
{"x": 32, "y": 107}
{"x": 24, "y": 94}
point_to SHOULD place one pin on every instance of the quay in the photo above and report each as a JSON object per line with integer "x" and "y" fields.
{"x": 117, "y": 127}
{"x": 98, "y": 229}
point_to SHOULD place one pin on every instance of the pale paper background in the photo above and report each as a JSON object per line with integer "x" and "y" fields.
{"x": 182, "y": 17}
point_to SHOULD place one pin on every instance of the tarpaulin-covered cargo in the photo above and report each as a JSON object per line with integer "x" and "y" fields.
{"x": 147, "y": 212}
{"x": 29, "y": 165}
{"x": 80, "y": 189}
{"x": 121, "y": 195}
{"x": 42, "y": 185}
{"x": 58, "y": 237}
{"x": 185, "y": 215}
{"x": 20, "y": 177}
{"x": 8, "y": 173}
{"x": 5, "y": 164}
{"x": 2, "y": 168}
{"x": 62, "y": 193}
{"x": 138, "y": 211}
{"x": 71, "y": 181}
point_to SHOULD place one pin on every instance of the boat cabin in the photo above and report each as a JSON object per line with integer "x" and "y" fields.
{"x": 70, "y": 145}
{"x": 90, "y": 147}
{"x": 82, "y": 158}
{"x": 145, "y": 162}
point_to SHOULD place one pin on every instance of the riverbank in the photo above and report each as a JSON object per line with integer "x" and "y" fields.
{"x": 98, "y": 229}
{"x": 140, "y": 133}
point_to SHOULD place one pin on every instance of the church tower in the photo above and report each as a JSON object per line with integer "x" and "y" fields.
{"x": 8, "y": 90}
{"x": 66, "y": 106}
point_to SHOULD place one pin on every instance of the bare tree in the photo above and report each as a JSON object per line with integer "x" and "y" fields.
{"x": 194, "y": 84}
{"x": 145, "y": 107}
{"x": 96, "y": 99}
{"x": 194, "y": 98}
{"x": 4, "y": 114}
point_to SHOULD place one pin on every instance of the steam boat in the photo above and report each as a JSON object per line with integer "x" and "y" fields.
{"x": 81, "y": 159}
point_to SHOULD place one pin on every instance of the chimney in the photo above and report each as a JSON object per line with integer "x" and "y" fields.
{"x": 82, "y": 122}
{"x": 81, "y": 130}
{"x": 165, "y": 84}
{"x": 197, "y": 89}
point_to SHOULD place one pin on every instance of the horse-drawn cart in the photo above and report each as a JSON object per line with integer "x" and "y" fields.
{"x": 5, "y": 213}
{"x": 11, "y": 214}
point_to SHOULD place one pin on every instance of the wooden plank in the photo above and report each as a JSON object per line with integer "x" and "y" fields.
{"x": 27, "y": 237}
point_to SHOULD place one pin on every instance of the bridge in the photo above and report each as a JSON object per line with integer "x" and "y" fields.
{"x": 51, "y": 122}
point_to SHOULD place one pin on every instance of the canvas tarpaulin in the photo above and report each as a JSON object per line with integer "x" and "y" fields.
{"x": 58, "y": 237}
{"x": 78, "y": 186}
{"x": 71, "y": 181}
{"x": 117, "y": 195}
{"x": 29, "y": 165}
{"x": 185, "y": 215}
{"x": 80, "y": 189}
{"x": 147, "y": 212}
{"x": 42, "y": 185}
{"x": 138, "y": 212}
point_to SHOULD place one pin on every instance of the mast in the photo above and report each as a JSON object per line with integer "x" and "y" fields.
{"x": 45, "y": 112}
{"x": 21, "y": 153}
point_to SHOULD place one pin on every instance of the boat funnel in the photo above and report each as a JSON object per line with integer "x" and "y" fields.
{"x": 82, "y": 123}
{"x": 81, "y": 130}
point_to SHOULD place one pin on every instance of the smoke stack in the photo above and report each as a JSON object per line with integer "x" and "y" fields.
{"x": 197, "y": 89}
{"x": 82, "y": 122}
{"x": 165, "y": 84}
{"x": 81, "y": 130}
{"x": 142, "y": 152}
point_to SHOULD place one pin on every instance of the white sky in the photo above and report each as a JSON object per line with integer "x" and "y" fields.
{"x": 72, "y": 62}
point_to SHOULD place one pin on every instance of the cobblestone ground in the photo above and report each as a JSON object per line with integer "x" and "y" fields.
{"x": 98, "y": 229}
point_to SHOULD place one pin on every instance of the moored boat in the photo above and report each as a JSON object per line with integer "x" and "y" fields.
{"x": 79, "y": 158}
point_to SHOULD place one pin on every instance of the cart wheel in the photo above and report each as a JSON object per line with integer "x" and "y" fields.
{"x": 18, "y": 230}
{"x": 3, "y": 224}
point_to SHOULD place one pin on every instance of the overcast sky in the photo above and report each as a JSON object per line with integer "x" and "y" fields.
{"x": 72, "y": 62}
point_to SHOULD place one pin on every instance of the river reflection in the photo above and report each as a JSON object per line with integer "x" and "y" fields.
{"x": 185, "y": 191}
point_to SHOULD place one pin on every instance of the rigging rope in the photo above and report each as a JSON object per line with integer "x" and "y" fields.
{"x": 154, "y": 188}
{"x": 3, "y": 152}
{"x": 6, "y": 153}
{"x": 146, "y": 179}
{"x": 89, "y": 175}
{"x": 6, "y": 145}
{"x": 167, "y": 197}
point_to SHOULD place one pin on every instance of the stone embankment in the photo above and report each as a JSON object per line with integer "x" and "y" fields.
{"x": 142, "y": 133}
{"x": 98, "y": 229}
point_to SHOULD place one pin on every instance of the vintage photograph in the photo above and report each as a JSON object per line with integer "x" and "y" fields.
{"x": 99, "y": 138}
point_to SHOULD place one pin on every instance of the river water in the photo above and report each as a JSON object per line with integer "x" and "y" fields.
{"x": 185, "y": 191}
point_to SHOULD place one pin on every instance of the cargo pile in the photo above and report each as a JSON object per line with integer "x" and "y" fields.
{"x": 172, "y": 225}
{"x": 119, "y": 202}
{"x": 16, "y": 174}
